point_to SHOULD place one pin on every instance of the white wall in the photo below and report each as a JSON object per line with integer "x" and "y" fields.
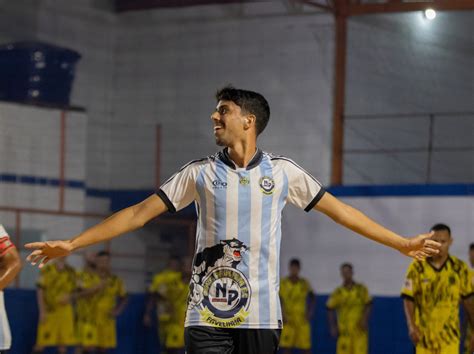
{"x": 30, "y": 140}
{"x": 168, "y": 72}
{"x": 323, "y": 245}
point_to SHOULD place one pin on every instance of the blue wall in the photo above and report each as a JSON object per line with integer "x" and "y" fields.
{"x": 388, "y": 333}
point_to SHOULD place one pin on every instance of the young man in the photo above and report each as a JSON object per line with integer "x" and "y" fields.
{"x": 239, "y": 193}
{"x": 159, "y": 294}
{"x": 297, "y": 303}
{"x": 111, "y": 301}
{"x": 348, "y": 314}
{"x": 432, "y": 293}
{"x": 56, "y": 288}
{"x": 10, "y": 266}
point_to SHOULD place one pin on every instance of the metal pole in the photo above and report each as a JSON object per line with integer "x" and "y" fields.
{"x": 339, "y": 95}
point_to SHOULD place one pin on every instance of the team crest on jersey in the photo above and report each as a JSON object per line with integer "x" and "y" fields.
{"x": 244, "y": 181}
{"x": 218, "y": 290}
{"x": 267, "y": 185}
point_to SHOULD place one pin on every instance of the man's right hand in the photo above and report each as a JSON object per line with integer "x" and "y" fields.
{"x": 43, "y": 252}
{"x": 415, "y": 334}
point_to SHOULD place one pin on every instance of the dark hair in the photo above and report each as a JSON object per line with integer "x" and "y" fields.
{"x": 103, "y": 253}
{"x": 295, "y": 262}
{"x": 471, "y": 247}
{"x": 249, "y": 102}
{"x": 346, "y": 265}
{"x": 441, "y": 227}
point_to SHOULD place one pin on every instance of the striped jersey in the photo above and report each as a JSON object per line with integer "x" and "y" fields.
{"x": 235, "y": 276}
{"x": 437, "y": 293}
{"x": 5, "y": 335}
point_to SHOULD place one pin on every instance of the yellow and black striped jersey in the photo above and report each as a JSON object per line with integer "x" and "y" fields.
{"x": 164, "y": 281}
{"x": 86, "y": 306}
{"x": 178, "y": 300}
{"x": 294, "y": 296}
{"x": 349, "y": 304}
{"x": 163, "y": 284}
{"x": 437, "y": 294}
{"x": 56, "y": 284}
{"x": 107, "y": 297}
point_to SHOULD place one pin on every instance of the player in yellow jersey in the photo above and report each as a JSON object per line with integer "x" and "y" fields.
{"x": 348, "y": 314}
{"x": 159, "y": 291}
{"x": 178, "y": 302}
{"x": 89, "y": 284}
{"x": 432, "y": 293}
{"x": 56, "y": 288}
{"x": 468, "y": 346}
{"x": 111, "y": 300}
{"x": 298, "y": 304}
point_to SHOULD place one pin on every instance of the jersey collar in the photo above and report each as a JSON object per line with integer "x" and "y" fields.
{"x": 442, "y": 266}
{"x": 256, "y": 159}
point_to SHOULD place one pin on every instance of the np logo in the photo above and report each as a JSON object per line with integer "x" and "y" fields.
{"x": 226, "y": 297}
{"x": 218, "y": 184}
{"x": 267, "y": 185}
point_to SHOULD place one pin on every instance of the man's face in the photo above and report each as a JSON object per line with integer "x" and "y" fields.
{"x": 103, "y": 263}
{"x": 347, "y": 274}
{"x": 294, "y": 270}
{"x": 471, "y": 257}
{"x": 444, "y": 238}
{"x": 229, "y": 123}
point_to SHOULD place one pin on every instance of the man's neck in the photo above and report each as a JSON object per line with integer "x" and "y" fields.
{"x": 294, "y": 278}
{"x": 242, "y": 153}
{"x": 438, "y": 261}
{"x": 349, "y": 284}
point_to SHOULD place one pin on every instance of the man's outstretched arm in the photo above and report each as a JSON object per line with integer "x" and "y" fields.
{"x": 123, "y": 221}
{"x": 418, "y": 247}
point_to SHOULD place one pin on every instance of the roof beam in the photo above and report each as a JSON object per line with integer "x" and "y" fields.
{"x": 393, "y": 6}
{"x": 318, "y": 5}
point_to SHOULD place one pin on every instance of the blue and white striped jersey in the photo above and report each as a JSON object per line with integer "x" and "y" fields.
{"x": 235, "y": 280}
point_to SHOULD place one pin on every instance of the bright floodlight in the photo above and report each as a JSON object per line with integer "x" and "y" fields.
{"x": 430, "y": 14}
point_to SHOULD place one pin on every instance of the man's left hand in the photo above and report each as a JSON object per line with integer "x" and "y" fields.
{"x": 421, "y": 247}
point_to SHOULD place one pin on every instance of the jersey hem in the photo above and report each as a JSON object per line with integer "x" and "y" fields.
{"x": 315, "y": 200}
{"x": 245, "y": 326}
{"x": 166, "y": 200}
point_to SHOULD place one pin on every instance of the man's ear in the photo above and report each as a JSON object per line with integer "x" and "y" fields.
{"x": 249, "y": 120}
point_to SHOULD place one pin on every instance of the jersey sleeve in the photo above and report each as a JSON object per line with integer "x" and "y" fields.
{"x": 308, "y": 287}
{"x": 180, "y": 190}
{"x": 366, "y": 298}
{"x": 121, "y": 291}
{"x": 467, "y": 282}
{"x": 333, "y": 300}
{"x": 304, "y": 191}
{"x": 5, "y": 243}
{"x": 411, "y": 284}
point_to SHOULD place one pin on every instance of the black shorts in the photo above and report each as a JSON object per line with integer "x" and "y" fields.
{"x": 210, "y": 340}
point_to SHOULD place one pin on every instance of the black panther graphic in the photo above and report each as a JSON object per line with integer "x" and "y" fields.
{"x": 227, "y": 253}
